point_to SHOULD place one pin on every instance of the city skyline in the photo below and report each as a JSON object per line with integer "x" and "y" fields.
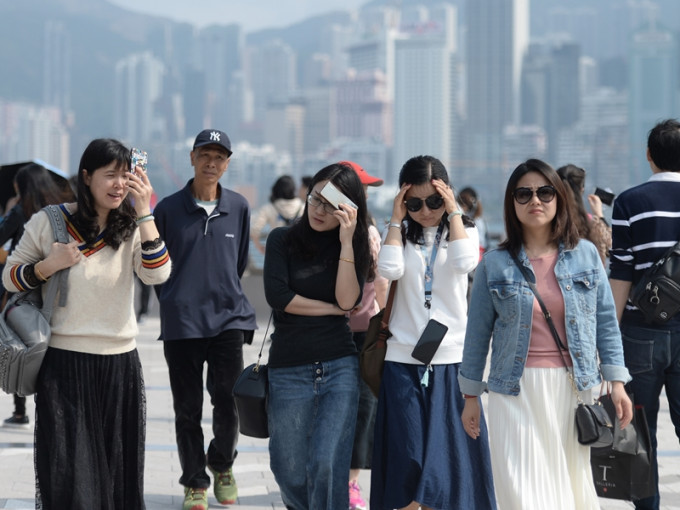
{"x": 481, "y": 85}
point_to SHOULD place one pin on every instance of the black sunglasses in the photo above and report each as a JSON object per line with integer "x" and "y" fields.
{"x": 544, "y": 193}
{"x": 432, "y": 202}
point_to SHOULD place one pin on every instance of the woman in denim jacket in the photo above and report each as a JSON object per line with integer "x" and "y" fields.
{"x": 536, "y": 459}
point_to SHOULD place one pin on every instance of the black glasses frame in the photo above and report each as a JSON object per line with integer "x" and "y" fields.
{"x": 524, "y": 195}
{"x": 433, "y": 202}
{"x": 316, "y": 202}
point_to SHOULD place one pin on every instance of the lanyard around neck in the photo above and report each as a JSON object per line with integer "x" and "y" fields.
{"x": 429, "y": 275}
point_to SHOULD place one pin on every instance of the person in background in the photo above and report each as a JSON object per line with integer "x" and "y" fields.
{"x": 472, "y": 207}
{"x": 284, "y": 208}
{"x": 205, "y": 316}
{"x": 422, "y": 457}
{"x": 536, "y": 457}
{"x": 374, "y": 297}
{"x": 35, "y": 189}
{"x": 90, "y": 401}
{"x": 314, "y": 271}
{"x": 646, "y": 223}
{"x": 590, "y": 226}
{"x": 303, "y": 190}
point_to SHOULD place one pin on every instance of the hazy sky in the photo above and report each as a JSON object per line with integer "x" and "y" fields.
{"x": 252, "y": 15}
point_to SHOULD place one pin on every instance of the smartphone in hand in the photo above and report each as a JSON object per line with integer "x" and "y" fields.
{"x": 335, "y": 197}
{"x": 138, "y": 158}
{"x": 606, "y": 197}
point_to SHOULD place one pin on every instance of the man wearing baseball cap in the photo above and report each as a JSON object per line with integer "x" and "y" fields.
{"x": 205, "y": 315}
{"x": 374, "y": 297}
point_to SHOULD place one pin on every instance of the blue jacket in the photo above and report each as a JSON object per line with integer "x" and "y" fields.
{"x": 203, "y": 296}
{"x": 501, "y": 305}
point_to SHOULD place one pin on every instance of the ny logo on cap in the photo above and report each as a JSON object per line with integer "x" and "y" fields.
{"x": 215, "y": 136}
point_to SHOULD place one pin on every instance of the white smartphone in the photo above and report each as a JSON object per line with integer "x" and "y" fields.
{"x": 335, "y": 197}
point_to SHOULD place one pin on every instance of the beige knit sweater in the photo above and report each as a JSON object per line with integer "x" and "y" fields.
{"x": 99, "y": 315}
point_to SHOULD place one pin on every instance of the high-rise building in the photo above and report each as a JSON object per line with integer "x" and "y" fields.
{"x": 271, "y": 71}
{"x": 138, "y": 85}
{"x": 497, "y": 38}
{"x": 221, "y": 50}
{"x": 57, "y": 66}
{"x": 362, "y": 108}
{"x": 424, "y": 92}
{"x": 653, "y": 94}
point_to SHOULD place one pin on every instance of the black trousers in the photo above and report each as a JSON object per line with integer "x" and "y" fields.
{"x": 185, "y": 358}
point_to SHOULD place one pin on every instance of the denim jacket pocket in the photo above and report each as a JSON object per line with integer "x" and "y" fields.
{"x": 585, "y": 290}
{"x": 505, "y": 300}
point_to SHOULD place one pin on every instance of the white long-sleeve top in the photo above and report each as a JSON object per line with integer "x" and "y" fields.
{"x": 455, "y": 259}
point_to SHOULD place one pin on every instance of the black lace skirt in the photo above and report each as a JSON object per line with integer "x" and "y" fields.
{"x": 89, "y": 432}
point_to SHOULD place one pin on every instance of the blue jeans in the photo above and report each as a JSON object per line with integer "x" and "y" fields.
{"x": 653, "y": 359}
{"x": 312, "y": 414}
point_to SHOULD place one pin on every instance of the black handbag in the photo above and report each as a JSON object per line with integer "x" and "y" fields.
{"x": 624, "y": 469}
{"x": 594, "y": 427}
{"x": 372, "y": 355}
{"x": 657, "y": 294}
{"x": 251, "y": 392}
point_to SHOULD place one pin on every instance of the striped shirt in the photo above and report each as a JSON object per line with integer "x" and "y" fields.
{"x": 645, "y": 224}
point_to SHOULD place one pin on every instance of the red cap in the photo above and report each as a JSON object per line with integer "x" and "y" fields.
{"x": 366, "y": 179}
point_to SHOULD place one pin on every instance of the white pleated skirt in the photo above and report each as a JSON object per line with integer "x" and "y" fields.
{"x": 536, "y": 459}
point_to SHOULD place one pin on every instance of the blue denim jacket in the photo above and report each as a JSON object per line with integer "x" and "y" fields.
{"x": 501, "y": 305}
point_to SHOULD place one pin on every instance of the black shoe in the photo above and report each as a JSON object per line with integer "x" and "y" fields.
{"x": 15, "y": 422}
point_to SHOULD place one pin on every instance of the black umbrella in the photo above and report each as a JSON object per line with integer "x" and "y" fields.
{"x": 7, "y": 173}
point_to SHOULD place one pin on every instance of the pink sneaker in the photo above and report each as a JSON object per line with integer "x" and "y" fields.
{"x": 356, "y": 502}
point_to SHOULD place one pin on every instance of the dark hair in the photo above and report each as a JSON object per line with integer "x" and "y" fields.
{"x": 284, "y": 187}
{"x": 301, "y": 235}
{"x": 563, "y": 229}
{"x": 306, "y": 182}
{"x": 120, "y": 223}
{"x": 574, "y": 178}
{"x": 420, "y": 170}
{"x": 664, "y": 145}
{"x": 468, "y": 198}
{"x": 37, "y": 188}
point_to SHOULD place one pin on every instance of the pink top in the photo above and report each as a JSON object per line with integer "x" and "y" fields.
{"x": 543, "y": 352}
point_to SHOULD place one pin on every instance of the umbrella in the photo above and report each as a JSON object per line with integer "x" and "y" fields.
{"x": 7, "y": 173}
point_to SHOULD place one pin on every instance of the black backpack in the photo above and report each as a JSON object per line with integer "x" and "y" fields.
{"x": 657, "y": 294}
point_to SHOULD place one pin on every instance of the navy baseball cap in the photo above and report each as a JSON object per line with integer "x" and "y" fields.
{"x": 213, "y": 137}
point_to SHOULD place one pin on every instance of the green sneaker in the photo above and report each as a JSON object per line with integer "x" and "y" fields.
{"x": 195, "y": 499}
{"x": 225, "y": 487}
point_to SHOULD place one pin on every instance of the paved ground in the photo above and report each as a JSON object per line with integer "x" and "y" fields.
{"x": 257, "y": 488}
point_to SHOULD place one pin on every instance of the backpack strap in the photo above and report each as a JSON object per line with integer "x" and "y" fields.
{"x": 59, "y": 281}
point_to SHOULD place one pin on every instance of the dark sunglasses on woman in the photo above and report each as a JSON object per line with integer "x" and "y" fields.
{"x": 433, "y": 202}
{"x": 544, "y": 193}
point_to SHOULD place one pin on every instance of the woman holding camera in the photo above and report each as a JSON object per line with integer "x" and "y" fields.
{"x": 421, "y": 455}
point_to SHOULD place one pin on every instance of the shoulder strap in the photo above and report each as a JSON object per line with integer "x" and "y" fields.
{"x": 59, "y": 281}
{"x": 390, "y": 300}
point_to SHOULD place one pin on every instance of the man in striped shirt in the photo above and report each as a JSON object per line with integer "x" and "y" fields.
{"x": 645, "y": 223}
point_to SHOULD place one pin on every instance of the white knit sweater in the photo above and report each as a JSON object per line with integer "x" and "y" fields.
{"x": 455, "y": 259}
{"x": 99, "y": 315}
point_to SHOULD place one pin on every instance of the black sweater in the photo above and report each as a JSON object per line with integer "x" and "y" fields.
{"x": 301, "y": 339}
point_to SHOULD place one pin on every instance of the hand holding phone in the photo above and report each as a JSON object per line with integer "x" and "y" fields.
{"x": 605, "y": 196}
{"x": 138, "y": 158}
{"x": 335, "y": 197}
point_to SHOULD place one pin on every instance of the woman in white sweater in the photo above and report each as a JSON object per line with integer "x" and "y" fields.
{"x": 90, "y": 402}
{"x": 422, "y": 456}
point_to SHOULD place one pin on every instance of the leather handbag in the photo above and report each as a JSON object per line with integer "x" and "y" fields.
{"x": 594, "y": 427}
{"x": 251, "y": 393}
{"x": 372, "y": 355}
{"x": 25, "y": 324}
